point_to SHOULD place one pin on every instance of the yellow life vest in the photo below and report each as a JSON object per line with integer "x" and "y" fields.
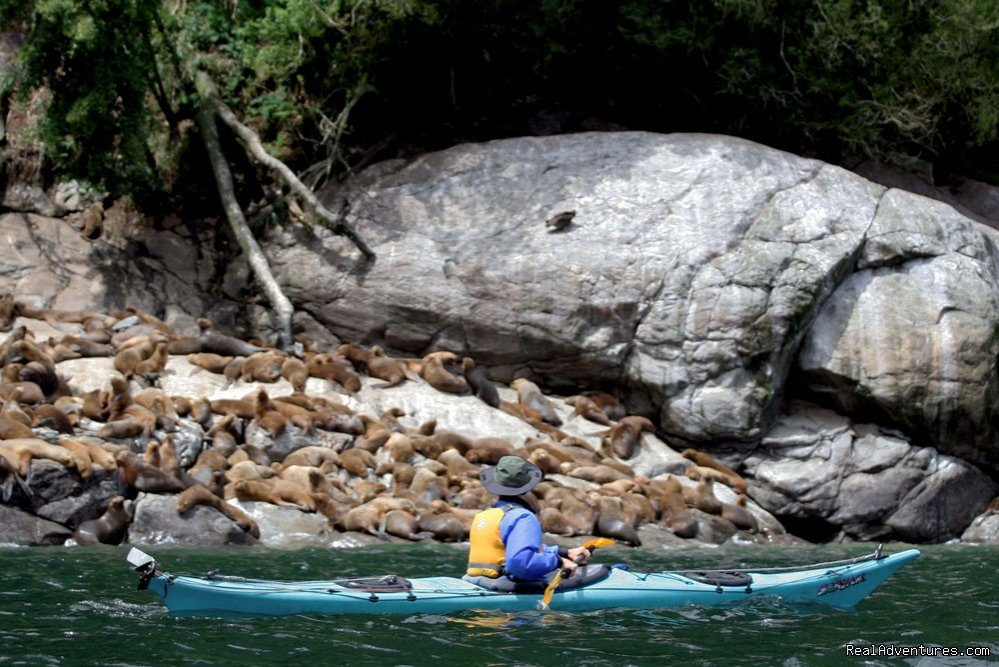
{"x": 487, "y": 553}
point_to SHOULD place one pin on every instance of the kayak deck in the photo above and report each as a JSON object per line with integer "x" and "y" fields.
{"x": 839, "y": 584}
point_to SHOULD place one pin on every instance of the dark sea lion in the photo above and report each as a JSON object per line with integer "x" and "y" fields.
{"x": 109, "y": 528}
{"x": 137, "y": 474}
{"x": 612, "y": 407}
{"x": 50, "y": 416}
{"x": 481, "y": 386}
{"x": 612, "y": 523}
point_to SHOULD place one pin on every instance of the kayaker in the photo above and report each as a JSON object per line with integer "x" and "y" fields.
{"x": 506, "y": 538}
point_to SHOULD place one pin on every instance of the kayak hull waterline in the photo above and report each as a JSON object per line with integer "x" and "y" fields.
{"x": 839, "y": 584}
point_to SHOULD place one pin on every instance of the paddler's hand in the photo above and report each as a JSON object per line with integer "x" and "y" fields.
{"x": 579, "y": 555}
{"x": 569, "y": 568}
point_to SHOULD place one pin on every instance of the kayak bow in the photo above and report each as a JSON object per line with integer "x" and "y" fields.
{"x": 841, "y": 584}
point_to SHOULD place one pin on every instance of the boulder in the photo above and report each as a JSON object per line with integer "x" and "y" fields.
{"x": 157, "y": 521}
{"x": 862, "y": 480}
{"x": 911, "y": 337}
{"x": 20, "y": 528}
{"x": 284, "y": 526}
{"x": 983, "y": 530}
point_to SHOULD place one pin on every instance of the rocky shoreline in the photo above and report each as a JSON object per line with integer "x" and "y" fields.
{"x": 378, "y": 462}
{"x": 831, "y": 340}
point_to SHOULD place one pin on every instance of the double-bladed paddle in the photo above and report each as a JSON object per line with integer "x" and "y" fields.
{"x": 595, "y": 543}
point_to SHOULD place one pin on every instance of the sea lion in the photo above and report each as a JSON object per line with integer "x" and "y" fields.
{"x": 675, "y": 514}
{"x": 150, "y": 368}
{"x": 211, "y": 362}
{"x": 375, "y": 362}
{"x": 612, "y": 522}
{"x": 296, "y": 372}
{"x": 8, "y": 311}
{"x": 727, "y": 476}
{"x": 554, "y": 522}
{"x": 458, "y": 467}
{"x": 198, "y": 494}
{"x": 109, "y": 528}
{"x": 600, "y": 473}
{"x": 30, "y": 393}
{"x": 625, "y": 437}
{"x": 234, "y": 369}
{"x": 489, "y": 450}
{"x": 481, "y": 386}
{"x": 427, "y": 486}
{"x": 275, "y": 491}
{"x": 358, "y": 462}
{"x": 11, "y": 429}
{"x": 19, "y": 451}
{"x": 434, "y": 370}
{"x": 212, "y": 341}
{"x": 334, "y": 369}
{"x": 530, "y": 394}
{"x": 266, "y": 418}
{"x": 41, "y": 374}
{"x": 702, "y": 497}
{"x": 740, "y": 517}
{"x": 137, "y": 474}
{"x": 611, "y": 406}
{"x": 92, "y": 221}
{"x": 313, "y": 456}
{"x": 95, "y": 405}
{"x": 578, "y": 511}
{"x": 81, "y": 454}
{"x": 559, "y": 221}
{"x": 443, "y": 525}
{"x": 138, "y": 350}
{"x": 588, "y": 409}
{"x": 248, "y": 470}
{"x": 404, "y": 524}
{"x": 262, "y": 366}
{"x": 450, "y": 440}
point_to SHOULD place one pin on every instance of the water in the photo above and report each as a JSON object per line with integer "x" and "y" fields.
{"x": 76, "y": 606}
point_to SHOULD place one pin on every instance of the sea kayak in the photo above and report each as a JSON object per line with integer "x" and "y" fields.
{"x": 841, "y": 584}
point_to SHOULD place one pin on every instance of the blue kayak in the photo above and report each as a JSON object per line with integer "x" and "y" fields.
{"x": 840, "y": 584}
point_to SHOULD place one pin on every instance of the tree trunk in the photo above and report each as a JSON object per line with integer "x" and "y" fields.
{"x": 283, "y": 310}
{"x": 209, "y": 93}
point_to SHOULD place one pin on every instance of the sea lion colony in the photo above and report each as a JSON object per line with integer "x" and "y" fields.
{"x": 375, "y": 476}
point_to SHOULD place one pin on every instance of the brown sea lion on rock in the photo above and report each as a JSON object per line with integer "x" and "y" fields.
{"x": 427, "y": 486}
{"x": 334, "y": 369}
{"x": 726, "y": 475}
{"x": 375, "y": 363}
{"x": 211, "y": 362}
{"x": 434, "y": 370}
{"x": 612, "y": 407}
{"x": 296, "y": 372}
{"x": 481, "y": 386}
{"x": 675, "y": 514}
{"x": 530, "y": 394}
{"x": 263, "y": 366}
{"x": 625, "y": 437}
{"x": 600, "y": 473}
{"x": 358, "y": 462}
{"x": 443, "y": 525}
{"x": 11, "y": 429}
{"x": 8, "y": 311}
{"x": 489, "y": 450}
{"x": 209, "y": 340}
{"x": 275, "y": 491}
{"x": 554, "y": 522}
{"x": 150, "y": 369}
{"x": 702, "y": 497}
{"x": 138, "y": 474}
{"x": 588, "y": 409}
{"x": 109, "y": 528}
{"x": 19, "y": 451}
{"x": 138, "y": 350}
{"x": 199, "y": 494}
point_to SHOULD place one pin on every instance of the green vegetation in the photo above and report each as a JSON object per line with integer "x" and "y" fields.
{"x": 329, "y": 84}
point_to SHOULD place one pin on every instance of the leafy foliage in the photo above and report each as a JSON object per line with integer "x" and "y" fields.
{"x": 325, "y": 81}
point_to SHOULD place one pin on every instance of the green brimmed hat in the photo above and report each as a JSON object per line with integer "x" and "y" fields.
{"x": 511, "y": 476}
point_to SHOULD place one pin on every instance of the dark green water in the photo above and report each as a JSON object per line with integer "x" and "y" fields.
{"x": 77, "y": 606}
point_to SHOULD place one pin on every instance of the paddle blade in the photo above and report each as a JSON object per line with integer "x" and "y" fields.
{"x": 598, "y": 542}
{"x": 547, "y": 597}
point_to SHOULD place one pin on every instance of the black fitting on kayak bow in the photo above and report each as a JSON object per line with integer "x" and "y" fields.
{"x": 373, "y": 598}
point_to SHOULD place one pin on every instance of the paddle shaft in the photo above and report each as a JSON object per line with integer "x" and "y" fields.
{"x": 595, "y": 543}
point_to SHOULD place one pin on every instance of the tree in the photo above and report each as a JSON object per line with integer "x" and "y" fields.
{"x": 126, "y": 76}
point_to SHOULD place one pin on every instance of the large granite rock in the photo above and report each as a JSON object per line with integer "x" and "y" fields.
{"x": 693, "y": 270}
{"x": 157, "y": 521}
{"x": 20, "y": 528}
{"x": 866, "y": 482}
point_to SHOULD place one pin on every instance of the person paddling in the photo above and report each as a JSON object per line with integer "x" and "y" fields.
{"x": 505, "y": 540}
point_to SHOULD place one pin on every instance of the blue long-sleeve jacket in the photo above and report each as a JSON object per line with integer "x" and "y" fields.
{"x": 526, "y": 557}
